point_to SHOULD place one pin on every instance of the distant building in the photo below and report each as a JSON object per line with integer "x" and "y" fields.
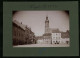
{"x": 56, "y": 36}
{"x": 46, "y": 38}
{"x": 53, "y": 36}
{"x": 39, "y": 40}
{"x": 65, "y": 37}
{"x": 59, "y": 37}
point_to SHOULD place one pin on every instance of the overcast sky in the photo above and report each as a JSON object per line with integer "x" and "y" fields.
{"x": 36, "y": 20}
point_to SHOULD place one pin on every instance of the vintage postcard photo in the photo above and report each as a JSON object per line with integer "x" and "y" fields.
{"x": 40, "y": 29}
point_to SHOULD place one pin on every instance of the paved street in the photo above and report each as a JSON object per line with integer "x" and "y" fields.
{"x": 43, "y": 45}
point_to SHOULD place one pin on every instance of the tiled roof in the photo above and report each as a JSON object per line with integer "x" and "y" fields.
{"x": 39, "y": 37}
{"x": 47, "y": 34}
{"x": 64, "y": 35}
{"x": 19, "y": 24}
{"x": 55, "y": 30}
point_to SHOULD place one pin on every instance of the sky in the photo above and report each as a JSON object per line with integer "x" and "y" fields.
{"x": 36, "y": 20}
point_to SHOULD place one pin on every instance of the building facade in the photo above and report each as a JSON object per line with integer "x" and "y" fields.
{"x": 39, "y": 40}
{"x": 56, "y": 36}
{"x": 22, "y": 34}
{"x": 18, "y": 33}
{"x": 44, "y": 39}
{"x": 60, "y": 37}
{"x": 65, "y": 37}
{"x": 47, "y": 38}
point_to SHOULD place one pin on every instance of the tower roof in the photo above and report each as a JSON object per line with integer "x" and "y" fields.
{"x": 47, "y": 18}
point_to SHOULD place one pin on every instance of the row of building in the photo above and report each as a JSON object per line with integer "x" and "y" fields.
{"x": 59, "y": 37}
{"x": 22, "y": 34}
{"x": 56, "y": 37}
{"x": 53, "y": 36}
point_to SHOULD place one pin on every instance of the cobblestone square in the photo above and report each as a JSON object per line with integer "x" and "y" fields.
{"x": 43, "y": 45}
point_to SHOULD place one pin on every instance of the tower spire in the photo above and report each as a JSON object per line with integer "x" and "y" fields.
{"x": 46, "y": 25}
{"x": 47, "y": 16}
{"x": 47, "y": 19}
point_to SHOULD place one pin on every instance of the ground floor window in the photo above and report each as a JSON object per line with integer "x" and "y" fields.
{"x": 67, "y": 42}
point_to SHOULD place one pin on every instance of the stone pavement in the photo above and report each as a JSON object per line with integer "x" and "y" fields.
{"x": 43, "y": 45}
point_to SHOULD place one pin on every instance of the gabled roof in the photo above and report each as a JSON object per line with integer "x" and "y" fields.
{"x": 19, "y": 24}
{"x": 64, "y": 35}
{"x": 56, "y": 30}
{"x": 47, "y": 34}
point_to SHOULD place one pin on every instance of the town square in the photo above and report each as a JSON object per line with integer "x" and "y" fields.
{"x": 24, "y": 36}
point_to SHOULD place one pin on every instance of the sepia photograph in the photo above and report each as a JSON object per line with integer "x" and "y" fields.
{"x": 40, "y": 28}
